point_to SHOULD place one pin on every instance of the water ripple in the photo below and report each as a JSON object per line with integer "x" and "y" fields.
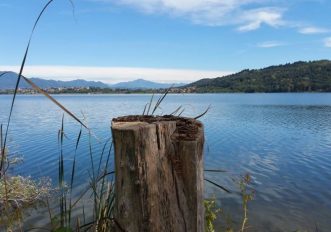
{"x": 282, "y": 140}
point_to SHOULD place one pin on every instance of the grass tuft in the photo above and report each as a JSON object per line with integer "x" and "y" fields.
{"x": 18, "y": 193}
{"x": 23, "y": 191}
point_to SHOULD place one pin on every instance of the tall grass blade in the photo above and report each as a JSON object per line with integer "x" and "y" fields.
{"x": 181, "y": 113}
{"x": 150, "y": 104}
{"x": 214, "y": 170}
{"x": 73, "y": 175}
{"x": 61, "y": 176}
{"x": 19, "y": 77}
{"x": 4, "y": 73}
{"x": 199, "y": 116}
{"x": 2, "y": 151}
{"x": 91, "y": 157}
{"x": 145, "y": 109}
{"x": 101, "y": 158}
{"x": 74, "y": 162}
{"x": 1, "y": 139}
{"x": 93, "y": 182}
{"x": 54, "y": 101}
{"x": 103, "y": 183}
{"x": 217, "y": 185}
{"x": 161, "y": 99}
{"x": 104, "y": 175}
{"x": 173, "y": 113}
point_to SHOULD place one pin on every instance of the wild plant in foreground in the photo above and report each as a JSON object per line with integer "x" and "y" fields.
{"x": 99, "y": 191}
{"x": 17, "y": 192}
{"x": 213, "y": 213}
{"x": 246, "y": 195}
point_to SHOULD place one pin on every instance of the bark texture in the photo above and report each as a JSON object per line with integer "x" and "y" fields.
{"x": 159, "y": 173}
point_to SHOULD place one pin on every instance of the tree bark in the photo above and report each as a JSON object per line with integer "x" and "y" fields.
{"x": 159, "y": 173}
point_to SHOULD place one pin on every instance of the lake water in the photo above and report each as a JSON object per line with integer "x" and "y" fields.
{"x": 282, "y": 140}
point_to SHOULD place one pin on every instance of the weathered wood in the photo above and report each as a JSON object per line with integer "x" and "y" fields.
{"x": 159, "y": 173}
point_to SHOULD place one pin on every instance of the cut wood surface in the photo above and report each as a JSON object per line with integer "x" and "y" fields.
{"x": 159, "y": 173}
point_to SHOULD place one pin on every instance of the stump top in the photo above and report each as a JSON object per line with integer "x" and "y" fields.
{"x": 186, "y": 128}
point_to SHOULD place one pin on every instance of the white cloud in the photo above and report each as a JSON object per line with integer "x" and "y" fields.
{"x": 245, "y": 15}
{"x": 327, "y": 42}
{"x": 214, "y": 12}
{"x": 253, "y": 19}
{"x": 270, "y": 44}
{"x": 184, "y": 6}
{"x": 313, "y": 30}
{"x": 116, "y": 74}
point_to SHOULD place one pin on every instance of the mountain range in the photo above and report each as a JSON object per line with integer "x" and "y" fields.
{"x": 143, "y": 84}
{"x": 8, "y": 81}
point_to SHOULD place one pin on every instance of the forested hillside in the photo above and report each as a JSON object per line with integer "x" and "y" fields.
{"x": 296, "y": 77}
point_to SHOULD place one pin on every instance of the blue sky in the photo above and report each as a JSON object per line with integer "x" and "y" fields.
{"x": 161, "y": 40}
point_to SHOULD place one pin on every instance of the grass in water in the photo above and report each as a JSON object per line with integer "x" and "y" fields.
{"x": 18, "y": 193}
{"x": 99, "y": 191}
{"x": 213, "y": 213}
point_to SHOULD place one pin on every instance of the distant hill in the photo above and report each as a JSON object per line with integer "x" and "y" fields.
{"x": 8, "y": 81}
{"x": 143, "y": 84}
{"x": 68, "y": 84}
{"x": 296, "y": 77}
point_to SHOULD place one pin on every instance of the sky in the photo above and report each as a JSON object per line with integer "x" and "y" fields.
{"x": 161, "y": 40}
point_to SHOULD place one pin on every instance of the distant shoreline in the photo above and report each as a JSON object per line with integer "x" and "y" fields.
{"x": 153, "y": 92}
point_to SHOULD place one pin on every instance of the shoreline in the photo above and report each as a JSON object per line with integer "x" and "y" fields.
{"x": 150, "y": 93}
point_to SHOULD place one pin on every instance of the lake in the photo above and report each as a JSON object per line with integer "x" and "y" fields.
{"x": 282, "y": 140}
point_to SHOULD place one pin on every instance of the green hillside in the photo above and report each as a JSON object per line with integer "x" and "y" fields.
{"x": 313, "y": 76}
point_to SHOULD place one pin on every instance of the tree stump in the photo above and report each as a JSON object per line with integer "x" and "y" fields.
{"x": 159, "y": 173}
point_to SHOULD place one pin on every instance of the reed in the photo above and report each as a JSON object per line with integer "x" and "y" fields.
{"x": 100, "y": 189}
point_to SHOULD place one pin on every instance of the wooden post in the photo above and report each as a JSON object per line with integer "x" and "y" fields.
{"x": 159, "y": 173}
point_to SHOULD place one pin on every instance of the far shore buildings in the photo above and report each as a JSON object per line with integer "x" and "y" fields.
{"x": 86, "y": 90}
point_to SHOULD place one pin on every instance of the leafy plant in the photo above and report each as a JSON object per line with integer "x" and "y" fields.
{"x": 211, "y": 212}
